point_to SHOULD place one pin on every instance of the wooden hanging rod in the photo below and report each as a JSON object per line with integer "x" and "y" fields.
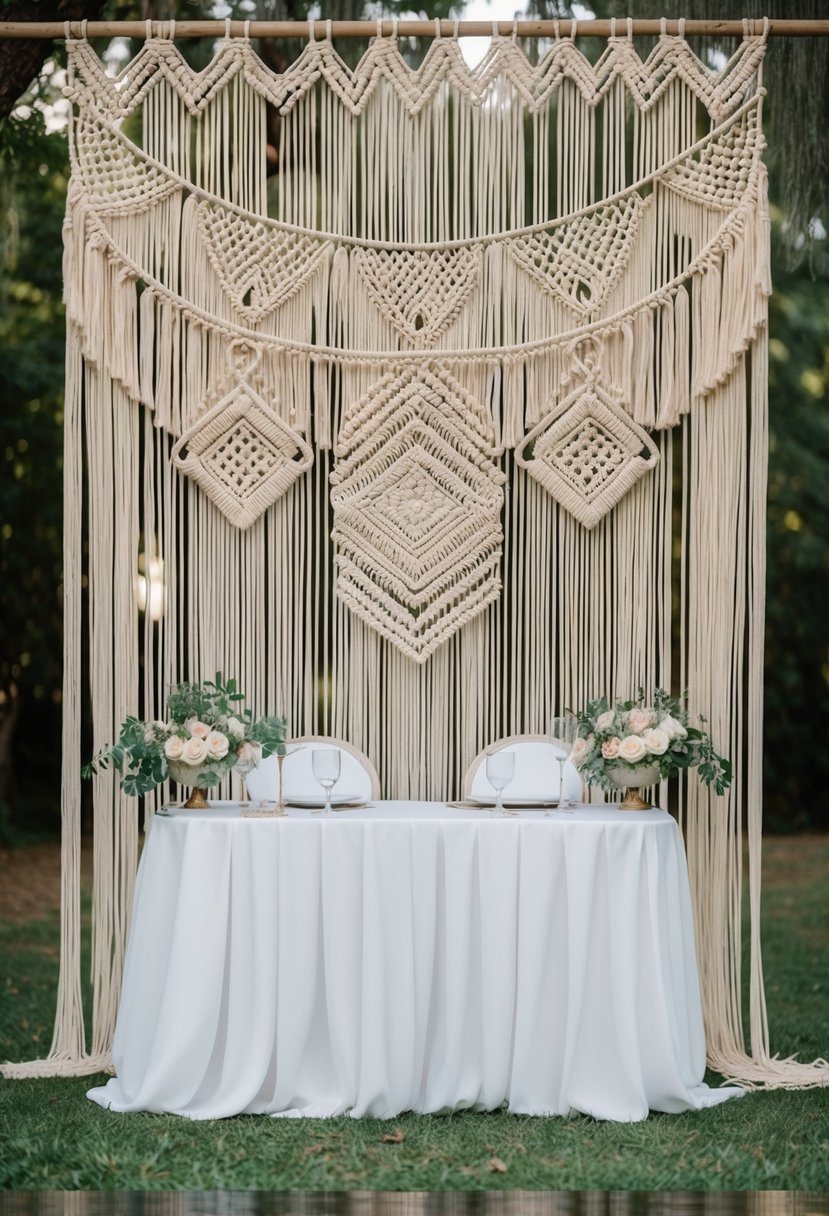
{"x": 407, "y": 29}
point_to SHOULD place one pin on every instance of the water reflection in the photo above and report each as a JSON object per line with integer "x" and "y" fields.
{"x": 417, "y": 1203}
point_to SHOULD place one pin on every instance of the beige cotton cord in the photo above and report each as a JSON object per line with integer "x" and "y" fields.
{"x": 399, "y": 442}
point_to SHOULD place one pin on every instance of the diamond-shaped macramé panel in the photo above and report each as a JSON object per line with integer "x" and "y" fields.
{"x": 587, "y": 453}
{"x": 417, "y": 502}
{"x": 242, "y": 455}
{"x": 418, "y": 635}
{"x": 417, "y": 523}
{"x": 429, "y": 394}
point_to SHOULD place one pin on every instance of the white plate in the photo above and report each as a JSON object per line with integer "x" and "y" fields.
{"x": 527, "y": 804}
{"x": 314, "y": 801}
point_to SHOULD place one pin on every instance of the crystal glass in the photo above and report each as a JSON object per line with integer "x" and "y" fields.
{"x": 325, "y": 764}
{"x": 563, "y": 732}
{"x": 500, "y": 770}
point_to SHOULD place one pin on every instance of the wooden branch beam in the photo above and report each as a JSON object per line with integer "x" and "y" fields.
{"x": 777, "y": 27}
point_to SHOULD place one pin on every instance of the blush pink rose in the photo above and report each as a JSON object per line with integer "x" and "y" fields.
{"x": 173, "y": 748}
{"x": 610, "y": 748}
{"x": 605, "y": 720}
{"x": 194, "y": 751}
{"x": 580, "y": 749}
{"x": 640, "y": 719}
{"x": 217, "y": 745}
{"x": 197, "y": 729}
{"x": 632, "y": 749}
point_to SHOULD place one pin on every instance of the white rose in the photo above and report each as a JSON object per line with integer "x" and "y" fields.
{"x": 610, "y": 748}
{"x": 217, "y": 745}
{"x": 632, "y": 749}
{"x": 236, "y": 728}
{"x": 248, "y": 757}
{"x": 640, "y": 719}
{"x": 656, "y": 741}
{"x": 194, "y": 751}
{"x": 605, "y": 720}
{"x": 672, "y": 728}
{"x": 197, "y": 729}
{"x": 580, "y": 749}
{"x": 174, "y": 747}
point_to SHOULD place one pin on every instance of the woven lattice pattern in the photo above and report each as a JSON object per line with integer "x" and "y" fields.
{"x": 260, "y": 269}
{"x": 417, "y": 504}
{"x": 114, "y": 180}
{"x": 242, "y": 455}
{"x": 587, "y": 453}
{"x": 420, "y": 293}
{"x": 716, "y": 175}
{"x": 581, "y": 262}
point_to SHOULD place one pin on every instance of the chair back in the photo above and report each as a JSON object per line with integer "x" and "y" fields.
{"x": 358, "y": 777}
{"x": 536, "y": 771}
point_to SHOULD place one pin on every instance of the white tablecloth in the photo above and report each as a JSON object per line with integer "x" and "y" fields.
{"x": 411, "y": 956}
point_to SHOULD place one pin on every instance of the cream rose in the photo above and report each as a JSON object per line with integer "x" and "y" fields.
{"x": 236, "y": 728}
{"x": 640, "y": 719}
{"x": 672, "y": 728}
{"x": 194, "y": 751}
{"x": 217, "y": 745}
{"x": 605, "y": 720}
{"x": 174, "y": 747}
{"x": 656, "y": 741}
{"x": 632, "y": 749}
{"x": 610, "y": 748}
{"x": 580, "y": 749}
{"x": 197, "y": 729}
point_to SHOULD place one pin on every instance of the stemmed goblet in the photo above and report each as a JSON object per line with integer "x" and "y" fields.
{"x": 325, "y": 764}
{"x": 500, "y": 770}
{"x": 563, "y": 732}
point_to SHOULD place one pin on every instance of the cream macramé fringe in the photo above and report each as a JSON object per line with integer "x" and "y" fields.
{"x": 397, "y": 431}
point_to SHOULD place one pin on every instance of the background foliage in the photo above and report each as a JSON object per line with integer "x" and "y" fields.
{"x": 33, "y": 174}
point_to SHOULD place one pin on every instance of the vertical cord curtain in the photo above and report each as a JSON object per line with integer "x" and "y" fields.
{"x": 427, "y": 437}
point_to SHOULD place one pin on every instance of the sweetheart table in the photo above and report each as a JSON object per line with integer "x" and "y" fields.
{"x": 411, "y": 956}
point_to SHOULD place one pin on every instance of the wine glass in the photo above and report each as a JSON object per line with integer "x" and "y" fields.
{"x": 500, "y": 770}
{"x": 563, "y": 732}
{"x": 325, "y": 763}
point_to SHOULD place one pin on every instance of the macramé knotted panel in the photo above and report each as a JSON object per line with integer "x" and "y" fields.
{"x": 427, "y": 401}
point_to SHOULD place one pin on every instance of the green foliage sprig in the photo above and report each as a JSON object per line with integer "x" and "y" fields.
{"x": 633, "y": 733}
{"x": 207, "y": 733}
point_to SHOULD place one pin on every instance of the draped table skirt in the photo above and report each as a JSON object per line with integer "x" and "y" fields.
{"x": 411, "y": 956}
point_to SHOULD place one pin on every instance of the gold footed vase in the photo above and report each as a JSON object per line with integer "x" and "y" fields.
{"x": 197, "y": 800}
{"x": 187, "y": 774}
{"x": 632, "y": 781}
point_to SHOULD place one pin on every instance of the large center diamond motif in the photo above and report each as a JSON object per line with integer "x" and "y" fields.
{"x": 417, "y": 504}
{"x": 587, "y": 453}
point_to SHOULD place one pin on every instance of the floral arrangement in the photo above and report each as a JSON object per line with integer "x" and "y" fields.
{"x": 630, "y": 735}
{"x": 206, "y": 734}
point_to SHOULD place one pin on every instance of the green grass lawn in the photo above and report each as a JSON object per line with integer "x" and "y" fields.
{"x": 53, "y": 1138}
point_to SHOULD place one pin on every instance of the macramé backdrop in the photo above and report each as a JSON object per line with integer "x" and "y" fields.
{"x": 432, "y": 434}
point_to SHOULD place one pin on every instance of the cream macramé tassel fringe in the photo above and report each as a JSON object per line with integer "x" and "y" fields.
{"x": 395, "y": 435}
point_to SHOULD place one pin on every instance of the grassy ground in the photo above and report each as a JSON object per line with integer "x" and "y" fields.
{"x": 53, "y": 1138}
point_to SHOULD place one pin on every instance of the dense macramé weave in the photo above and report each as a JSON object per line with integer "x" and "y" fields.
{"x": 429, "y": 435}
